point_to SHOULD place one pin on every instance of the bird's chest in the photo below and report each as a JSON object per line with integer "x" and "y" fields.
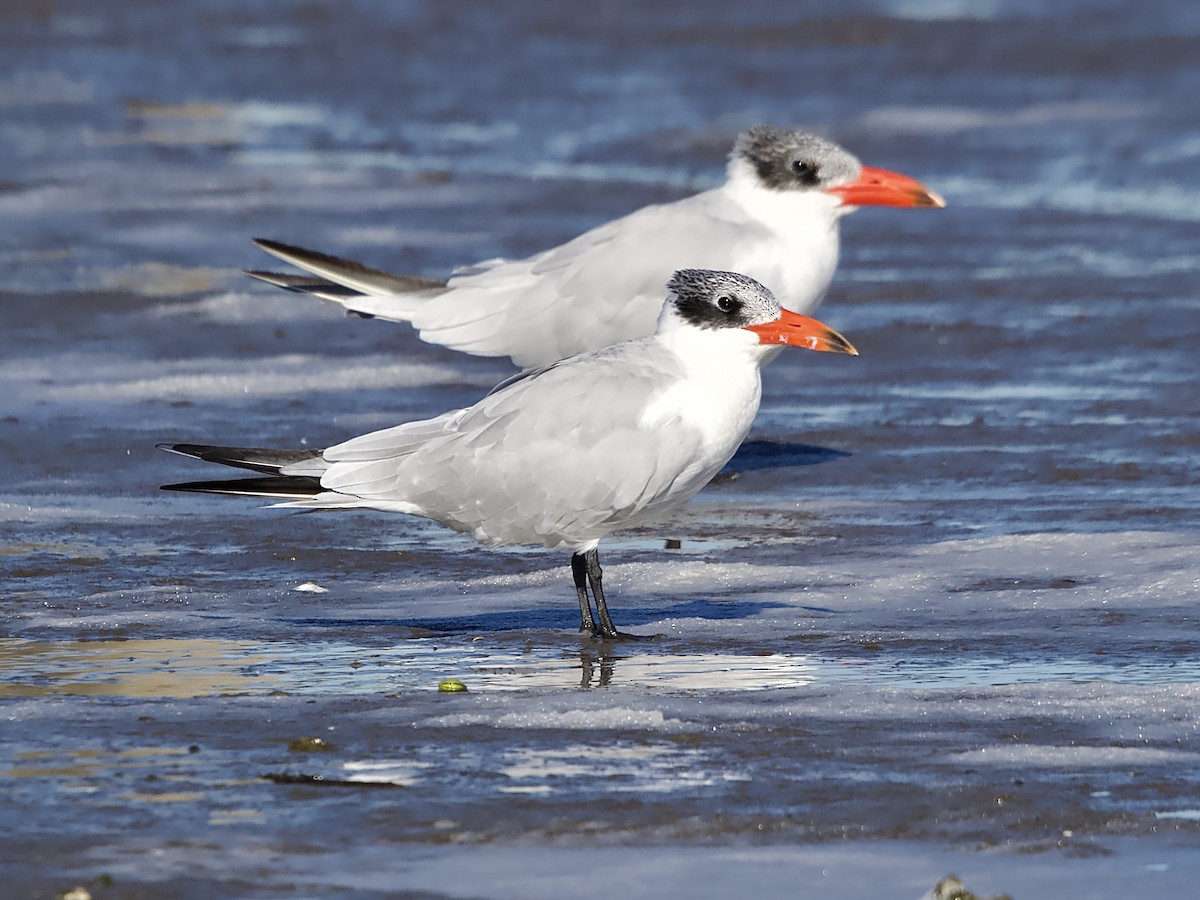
{"x": 713, "y": 406}
{"x": 798, "y": 266}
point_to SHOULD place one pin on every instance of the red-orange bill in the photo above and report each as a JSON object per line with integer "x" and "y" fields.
{"x": 794, "y": 330}
{"x": 879, "y": 187}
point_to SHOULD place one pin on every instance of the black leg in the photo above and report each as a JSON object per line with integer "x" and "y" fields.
{"x": 595, "y": 577}
{"x": 585, "y": 569}
{"x": 607, "y": 628}
{"x": 579, "y": 571}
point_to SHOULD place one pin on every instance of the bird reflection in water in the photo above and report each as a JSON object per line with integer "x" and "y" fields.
{"x": 596, "y": 665}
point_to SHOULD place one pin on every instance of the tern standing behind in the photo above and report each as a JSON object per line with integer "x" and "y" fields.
{"x": 775, "y": 219}
{"x": 565, "y": 455}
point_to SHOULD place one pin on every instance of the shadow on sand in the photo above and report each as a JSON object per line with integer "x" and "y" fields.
{"x": 564, "y": 619}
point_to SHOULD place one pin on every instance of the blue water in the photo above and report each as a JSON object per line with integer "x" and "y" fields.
{"x": 944, "y": 595}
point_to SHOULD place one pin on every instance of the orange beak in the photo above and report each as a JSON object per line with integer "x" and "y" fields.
{"x": 796, "y": 330}
{"x": 879, "y": 187}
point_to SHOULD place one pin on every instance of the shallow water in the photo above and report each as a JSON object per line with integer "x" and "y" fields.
{"x": 937, "y": 615}
{"x": 181, "y": 668}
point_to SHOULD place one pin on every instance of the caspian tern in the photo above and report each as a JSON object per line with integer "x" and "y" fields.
{"x": 564, "y": 455}
{"x": 775, "y": 219}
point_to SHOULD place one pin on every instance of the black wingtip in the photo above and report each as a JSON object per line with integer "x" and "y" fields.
{"x": 189, "y": 450}
{"x": 266, "y": 460}
{"x": 276, "y": 248}
{"x": 282, "y": 487}
{"x": 280, "y": 247}
{"x": 348, "y": 273}
{"x": 194, "y": 451}
{"x": 305, "y": 284}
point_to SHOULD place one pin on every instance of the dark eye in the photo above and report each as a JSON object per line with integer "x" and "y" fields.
{"x": 725, "y": 303}
{"x": 805, "y": 171}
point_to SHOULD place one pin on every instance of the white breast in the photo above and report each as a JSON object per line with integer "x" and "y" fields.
{"x": 718, "y": 397}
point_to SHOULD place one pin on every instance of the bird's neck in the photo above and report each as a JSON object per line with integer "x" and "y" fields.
{"x": 710, "y": 349}
{"x": 806, "y": 214}
{"x": 718, "y": 388}
{"x": 798, "y": 260}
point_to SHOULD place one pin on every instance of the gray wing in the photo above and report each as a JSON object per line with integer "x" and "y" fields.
{"x": 605, "y": 286}
{"x": 559, "y": 458}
